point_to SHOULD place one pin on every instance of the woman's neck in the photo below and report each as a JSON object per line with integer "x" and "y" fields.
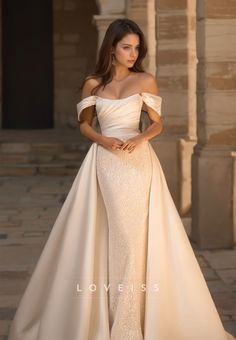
{"x": 120, "y": 73}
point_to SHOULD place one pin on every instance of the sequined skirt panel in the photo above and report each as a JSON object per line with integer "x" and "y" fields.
{"x": 124, "y": 179}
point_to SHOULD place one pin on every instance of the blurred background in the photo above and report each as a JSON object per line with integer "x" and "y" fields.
{"x": 49, "y": 46}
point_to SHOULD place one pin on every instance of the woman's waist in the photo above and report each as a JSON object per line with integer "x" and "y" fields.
{"x": 121, "y": 132}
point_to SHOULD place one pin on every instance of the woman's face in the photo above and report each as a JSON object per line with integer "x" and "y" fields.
{"x": 126, "y": 50}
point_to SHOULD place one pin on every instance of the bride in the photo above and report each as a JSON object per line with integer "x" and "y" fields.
{"x": 118, "y": 264}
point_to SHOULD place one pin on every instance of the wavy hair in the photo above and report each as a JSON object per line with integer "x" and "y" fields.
{"x": 114, "y": 33}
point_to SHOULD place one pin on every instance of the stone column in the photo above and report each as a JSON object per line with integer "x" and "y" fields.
{"x": 212, "y": 162}
{"x": 144, "y": 14}
{"x": 108, "y": 11}
{"x": 102, "y": 22}
{"x": 176, "y": 76}
{"x": 151, "y": 36}
{"x": 140, "y": 11}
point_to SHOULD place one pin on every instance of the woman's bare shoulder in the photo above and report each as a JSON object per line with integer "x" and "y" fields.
{"x": 148, "y": 82}
{"x": 89, "y": 84}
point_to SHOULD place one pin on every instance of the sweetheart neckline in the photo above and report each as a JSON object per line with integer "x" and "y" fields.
{"x": 115, "y": 99}
{"x": 118, "y": 99}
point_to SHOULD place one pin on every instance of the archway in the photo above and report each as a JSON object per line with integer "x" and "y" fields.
{"x": 27, "y": 58}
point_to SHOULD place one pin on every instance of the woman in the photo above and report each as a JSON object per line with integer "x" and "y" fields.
{"x": 118, "y": 264}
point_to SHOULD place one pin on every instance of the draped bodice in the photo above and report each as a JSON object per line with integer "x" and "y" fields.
{"x": 120, "y": 117}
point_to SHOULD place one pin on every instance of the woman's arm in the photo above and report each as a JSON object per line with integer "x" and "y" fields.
{"x": 86, "y": 119}
{"x": 86, "y": 116}
{"x": 156, "y": 126}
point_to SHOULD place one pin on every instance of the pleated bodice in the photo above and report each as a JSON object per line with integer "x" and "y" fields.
{"x": 120, "y": 117}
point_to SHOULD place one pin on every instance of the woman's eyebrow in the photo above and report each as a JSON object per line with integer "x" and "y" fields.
{"x": 129, "y": 44}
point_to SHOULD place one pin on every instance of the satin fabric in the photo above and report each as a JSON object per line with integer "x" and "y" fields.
{"x": 52, "y": 307}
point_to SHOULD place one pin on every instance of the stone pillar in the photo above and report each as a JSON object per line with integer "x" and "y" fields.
{"x": 212, "y": 162}
{"x": 102, "y": 22}
{"x": 0, "y": 64}
{"x": 140, "y": 11}
{"x": 176, "y": 76}
{"x": 144, "y": 14}
{"x": 151, "y": 36}
{"x": 108, "y": 12}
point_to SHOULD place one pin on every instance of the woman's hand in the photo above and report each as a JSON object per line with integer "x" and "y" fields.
{"x": 131, "y": 143}
{"x": 111, "y": 143}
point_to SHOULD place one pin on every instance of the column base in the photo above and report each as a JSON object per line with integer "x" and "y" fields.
{"x": 212, "y": 197}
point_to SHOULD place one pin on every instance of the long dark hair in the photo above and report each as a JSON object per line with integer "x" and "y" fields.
{"x": 115, "y": 32}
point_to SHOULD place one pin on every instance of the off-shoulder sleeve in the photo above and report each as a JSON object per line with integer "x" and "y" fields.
{"x": 153, "y": 101}
{"x": 84, "y": 103}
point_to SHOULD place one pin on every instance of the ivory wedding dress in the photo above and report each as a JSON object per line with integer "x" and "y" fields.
{"x": 118, "y": 264}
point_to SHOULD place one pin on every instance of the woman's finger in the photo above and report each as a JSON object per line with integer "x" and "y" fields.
{"x": 124, "y": 146}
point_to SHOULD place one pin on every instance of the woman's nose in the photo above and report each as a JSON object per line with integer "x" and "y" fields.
{"x": 132, "y": 53}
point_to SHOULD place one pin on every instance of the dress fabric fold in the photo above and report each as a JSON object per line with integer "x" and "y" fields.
{"x": 118, "y": 263}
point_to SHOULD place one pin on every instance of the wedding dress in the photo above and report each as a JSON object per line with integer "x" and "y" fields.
{"x": 118, "y": 264}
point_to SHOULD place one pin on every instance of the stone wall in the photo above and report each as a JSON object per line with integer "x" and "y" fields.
{"x": 217, "y": 70}
{"x": 144, "y": 13}
{"x": 176, "y": 57}
{"x": 75, "y": 46}
{"x": 213, "y": 161}
{"x": 176, "y": 75}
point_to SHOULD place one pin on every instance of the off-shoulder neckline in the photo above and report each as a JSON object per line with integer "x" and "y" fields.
{"x": 118, "y": 99}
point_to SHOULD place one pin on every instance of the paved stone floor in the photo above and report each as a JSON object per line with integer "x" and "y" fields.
{"x": 28, "y": 208}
